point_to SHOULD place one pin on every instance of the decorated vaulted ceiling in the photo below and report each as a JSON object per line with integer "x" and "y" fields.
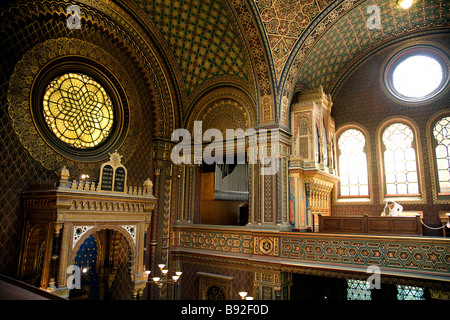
{"x": 266, "y": 48}
{"x": 349, "y": 39}
{"x": 203, "y": 43}
{"x": 284, "y": 21}
{"x": 272, "y": 47}
{"x": 341, "y": 40}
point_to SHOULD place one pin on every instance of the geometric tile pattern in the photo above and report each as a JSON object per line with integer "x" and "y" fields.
{"x": 18, "y": 167}
{"x": 225, "y": 242}
{"x": 408, "y": 256}
{"x": 284, "y": 21}
{"x": 201, "y": 36}
{"x": 349, "y": 38}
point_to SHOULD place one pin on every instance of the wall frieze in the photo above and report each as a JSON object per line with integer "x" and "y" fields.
{"x": 422, "y": 258}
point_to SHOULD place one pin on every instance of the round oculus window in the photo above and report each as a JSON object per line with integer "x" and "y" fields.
{"x": 417, "y": 74}
{"x": 78, "y": 110}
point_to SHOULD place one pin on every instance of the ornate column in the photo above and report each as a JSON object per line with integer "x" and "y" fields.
{"x": 268, "y": 154}
{"x": 55, "y": 255}
{"x": 167, "y": 178}
{"x": 311, "y": 178}
{"x": 272, "y": 285}
{"x": 186, "y": 193}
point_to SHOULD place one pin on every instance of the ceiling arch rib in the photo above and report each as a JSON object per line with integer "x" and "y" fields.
{"x": 284, "y": 22}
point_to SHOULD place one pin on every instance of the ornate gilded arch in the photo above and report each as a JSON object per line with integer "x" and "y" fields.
{"x": 129, "y": 240}
{"x": 223, "y": 108}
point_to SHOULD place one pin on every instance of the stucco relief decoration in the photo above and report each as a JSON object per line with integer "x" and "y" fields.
{"x": 78, "y": 233}
{"x": 224, "y": 108}
{"x": 132, "y": 231}
{"x": 225, "y": 114}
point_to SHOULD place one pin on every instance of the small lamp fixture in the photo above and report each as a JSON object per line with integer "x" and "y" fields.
{"x": 243, "y": 294}
{"x": 164, "y": 279}
{"x": 176, "y": 276}
{"x": 405, "y": 4}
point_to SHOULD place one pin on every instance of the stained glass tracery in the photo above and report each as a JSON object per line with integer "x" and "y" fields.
{"x": 400, "y": 167}
{"x": 417, "y": 73}
{"x": 409, "y": 293}
{"x": 353, "y": 164}
{"x": 441, "y": 133}
{"x": 358, "y": 290}
{"x": 417, "y": 76}
{"x": 78, "y": 110}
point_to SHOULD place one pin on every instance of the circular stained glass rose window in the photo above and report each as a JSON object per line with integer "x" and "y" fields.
{"x": 78, "y": 110}
{"x": 417, "y": 74}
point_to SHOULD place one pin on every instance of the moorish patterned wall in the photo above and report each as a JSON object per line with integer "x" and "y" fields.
{"x": 339, "y": 39}
{"x": 364, "y": 101}
{"x": 35, "y": 33}
{"x": 183, "y": 61}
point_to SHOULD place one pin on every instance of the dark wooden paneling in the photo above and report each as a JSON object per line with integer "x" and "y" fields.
{"x": 373, "y": 225}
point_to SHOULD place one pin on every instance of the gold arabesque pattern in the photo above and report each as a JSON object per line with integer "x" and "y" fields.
{"x": 78, "y": 110}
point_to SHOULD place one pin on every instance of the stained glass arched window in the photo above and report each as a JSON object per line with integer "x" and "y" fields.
{"x": 441, "y": 133}
{"x": 78, "y": 110}
{"x": 400, "y": 167}
{"x": 352, "y": 163}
